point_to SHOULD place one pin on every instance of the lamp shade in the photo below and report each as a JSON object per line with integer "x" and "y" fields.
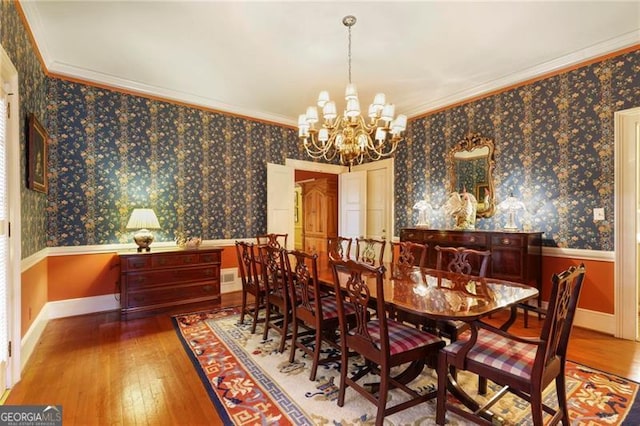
{"x": 143, "y": 219}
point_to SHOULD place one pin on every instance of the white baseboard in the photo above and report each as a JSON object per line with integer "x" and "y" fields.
{"x": 597, "y": 321}
{"x": 31, "y": 337}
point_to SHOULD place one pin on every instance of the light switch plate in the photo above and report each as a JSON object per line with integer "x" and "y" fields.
{"x": 598, "y": 214}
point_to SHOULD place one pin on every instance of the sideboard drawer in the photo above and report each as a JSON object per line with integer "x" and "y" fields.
{"x": 508, "y": 240}
{"x": 169, "y": 295}
{"x": 147, "y": 279}
{"x": 468, "y": 239}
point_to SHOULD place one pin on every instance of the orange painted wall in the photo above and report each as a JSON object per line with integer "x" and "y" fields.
{"x": 82, "y": 275}
{"x": 34, "y": 294}
{"x": 597, "y": 289}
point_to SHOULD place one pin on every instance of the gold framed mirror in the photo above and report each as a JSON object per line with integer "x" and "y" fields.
{"x": 470, "y": 164}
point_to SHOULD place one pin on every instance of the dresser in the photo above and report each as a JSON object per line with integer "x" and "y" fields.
{"x": 515, "y": 256}
{"x": 165, "y": 278}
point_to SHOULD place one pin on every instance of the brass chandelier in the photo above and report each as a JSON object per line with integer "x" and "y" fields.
{"x": 349, "y": 135}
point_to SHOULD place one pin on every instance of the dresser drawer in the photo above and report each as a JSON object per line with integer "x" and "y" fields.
{"x": 468, "y": 239}
{"x": 169, "y": 295}
{"x": 411, "y": 235}
{"x": 135, "y": 263}
{"x": 508, "y": 240}
{"x": 137, "y": 280}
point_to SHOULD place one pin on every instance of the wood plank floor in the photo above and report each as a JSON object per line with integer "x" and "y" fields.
{"x": 106, "y": 371}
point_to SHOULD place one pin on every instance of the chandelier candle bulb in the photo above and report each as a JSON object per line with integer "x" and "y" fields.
{"x": 323, "y": 98}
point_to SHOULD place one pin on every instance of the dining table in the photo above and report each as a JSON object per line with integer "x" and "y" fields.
{"x": 443, "y": 295}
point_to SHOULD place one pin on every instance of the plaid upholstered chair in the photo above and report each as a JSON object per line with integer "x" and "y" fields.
{"x": 313, "y": 309}
{"x": 383, "y": 342}
{"x": 524, "y": 366}
{"x": 278, "y": 303}
{"x": 252, "y": 284}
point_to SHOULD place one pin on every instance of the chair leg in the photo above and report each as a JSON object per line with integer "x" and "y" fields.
{"x": 285, "y": 329}
{"x": 294, "y": 339}
{"x": 344, "y": 366}
{"x": 536, "y": 407}
{"x": 383, "y": 390}
{"x": 316, "y": 355}
{"x": 441, "y": 400}
{"x": 561, "y": 391}
{"x": 256, "y": 307}
{"x": 482, "y": 385}
{"x": 267, "y": 320}
{"x": 244, "y": 307}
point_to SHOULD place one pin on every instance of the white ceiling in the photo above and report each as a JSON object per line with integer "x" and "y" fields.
{"x": 269, "y": 60}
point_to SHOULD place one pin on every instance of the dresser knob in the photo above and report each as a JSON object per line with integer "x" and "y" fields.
{"x": 505, "y": 241}
{"x": 472, "y": 239}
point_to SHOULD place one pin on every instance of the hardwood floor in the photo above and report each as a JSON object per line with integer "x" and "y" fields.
{"x": 106, "y": 371}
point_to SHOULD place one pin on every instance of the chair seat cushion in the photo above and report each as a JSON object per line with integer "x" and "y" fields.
{"x": 512, "y": 357}
{"x": 402, "y": 337}
{"x": 330, "y": 307}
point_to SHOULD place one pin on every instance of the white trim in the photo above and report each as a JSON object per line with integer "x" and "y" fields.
{"x": 315, "y": 167}
{"x": 32, "y": 336}
{"x": 605, "y": 256}
{"x": 84, "y": 305}
{"x": 626, "y": 135}
{"x": 597, "y": 321}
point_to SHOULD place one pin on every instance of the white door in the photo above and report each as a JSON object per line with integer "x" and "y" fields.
{"x": 352, "y": 190}
{"x": 9, "y": 221}
{"x": 377, "y": 204}
{"x": 280, "y": 201}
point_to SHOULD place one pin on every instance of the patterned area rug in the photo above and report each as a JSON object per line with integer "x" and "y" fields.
{"x": 251, "y": 383}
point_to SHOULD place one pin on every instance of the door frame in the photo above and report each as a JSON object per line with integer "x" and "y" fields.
{"x": 14, "y": 277}
{"x": 626, "y": 222}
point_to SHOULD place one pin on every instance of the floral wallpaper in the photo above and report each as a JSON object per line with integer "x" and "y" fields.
{"x": 554, "y": 149}
{"x": 205, "y": 172}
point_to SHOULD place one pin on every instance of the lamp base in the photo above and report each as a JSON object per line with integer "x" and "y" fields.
{"x": 143, "y": 239}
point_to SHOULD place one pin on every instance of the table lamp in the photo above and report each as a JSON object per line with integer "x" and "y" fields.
{"x": 511, "y": 205}
{"x": 142, "y": 220}
{"x": 425, "y": 210}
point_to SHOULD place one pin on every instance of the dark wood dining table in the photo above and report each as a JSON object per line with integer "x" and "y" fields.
{"x": 443, "y": 295}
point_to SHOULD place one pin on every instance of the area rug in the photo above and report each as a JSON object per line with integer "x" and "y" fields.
{"x": 250, "y": 383}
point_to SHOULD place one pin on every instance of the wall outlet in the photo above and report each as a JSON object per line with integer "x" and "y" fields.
{"x": 598, "y": 214}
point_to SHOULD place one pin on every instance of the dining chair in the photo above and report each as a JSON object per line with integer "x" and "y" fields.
{"x": 272, "y": 239}
{"x": 463, "y": 261}
{"x": 407, "y": 253}
{"x": 370, "y": 251}
{"x": 524, "y": 366}
{"x": 383, "y": 342}
{"x": 312, "y": 309}
{"x": 277, "y": 293}
{"x": 339, "y": 248}
{"x": 252, "y": 283}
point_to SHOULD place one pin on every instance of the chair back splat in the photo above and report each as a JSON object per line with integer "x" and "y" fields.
{"x": 339, "y": 248}
{"x": 273, "y": 240}
{"x": 370, "y": 251}
{"x": 525, "y": 366}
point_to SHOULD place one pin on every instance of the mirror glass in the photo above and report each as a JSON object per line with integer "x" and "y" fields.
{"x": 470, "y": 165}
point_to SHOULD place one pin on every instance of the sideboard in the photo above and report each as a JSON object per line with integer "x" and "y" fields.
{"x": 156, "y": 280}
{"x": 515, "y": 256}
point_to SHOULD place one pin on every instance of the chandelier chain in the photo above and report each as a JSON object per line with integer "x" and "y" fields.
{"x": 349, "y": 54}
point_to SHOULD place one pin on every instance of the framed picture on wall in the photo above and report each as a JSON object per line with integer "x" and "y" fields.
{"x": 36, "y": 155}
